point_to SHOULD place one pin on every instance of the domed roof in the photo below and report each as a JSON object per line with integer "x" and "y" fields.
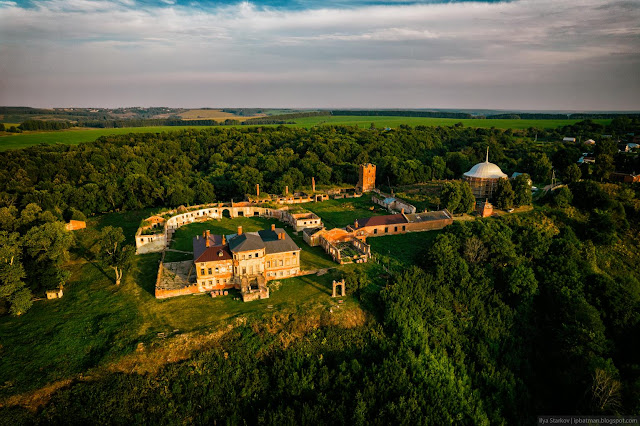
{"x": 485, "y": 170}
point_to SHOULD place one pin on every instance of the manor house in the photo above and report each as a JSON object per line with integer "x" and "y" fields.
{"x": 244, "y": 259}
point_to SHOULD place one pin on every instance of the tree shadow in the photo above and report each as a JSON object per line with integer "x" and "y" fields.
{"x": 145, "y": 272}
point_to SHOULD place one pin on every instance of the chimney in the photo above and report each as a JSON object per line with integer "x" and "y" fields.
{"x": 257, "y": 190}
{"x": 286, "y": 190}
{"x": 356, "y": 224}
{"x": 402, "y": 211}
{"x": 206, "y": 238}
{"x": 281, "y": 236}
{"x": 239, "y": 230}
{"x": 206, "y": 242}
{"x": 224, "y": 240}
{"x": 273, "y": 226}
{"x": 313, "y": 184}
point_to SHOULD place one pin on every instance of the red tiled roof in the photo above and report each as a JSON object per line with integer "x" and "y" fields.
{"x": 213, "y": 254}
{"x": 392, "y": 219}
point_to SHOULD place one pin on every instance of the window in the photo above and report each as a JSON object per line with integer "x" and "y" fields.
{"x": 210, "y": 282}
{"x": 286, "y": 262}
{"x": 404, "y": 227}
{"x": 217, "y": 270}
{"x": 294, "y": 261}
{"x": 386, "y": 229}
{"x": 269, "y": 264}
{"x": 202, "y": 271}
{"x": 281, "y": 263}
{"x": 375, "y": 231}
{"x": 249, "y": 255}
{"x": 209, "y": 271}
{"x": 257, "y": 254}
{"x": 244, "y": 271}
{"x": 395, "y": 229}
{"x": 217, "y": 282}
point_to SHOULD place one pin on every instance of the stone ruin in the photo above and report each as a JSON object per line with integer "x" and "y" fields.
{"x": 335, "y": 287}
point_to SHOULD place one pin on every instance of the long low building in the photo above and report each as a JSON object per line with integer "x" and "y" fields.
{"x": 402, "y": 223}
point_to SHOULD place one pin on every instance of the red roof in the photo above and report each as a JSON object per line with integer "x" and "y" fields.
{"x": 391, "y": 219}
{"x": 213, "y": 254}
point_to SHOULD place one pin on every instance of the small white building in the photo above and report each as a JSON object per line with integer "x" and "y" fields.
{"x": 572, "y": 140}
{"x": 589, "y": 142}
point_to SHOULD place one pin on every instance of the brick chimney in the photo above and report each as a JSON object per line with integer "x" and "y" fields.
{"x": 257, "y": 190}
{"x": 239, "y": 230}
{"x": 224, "y": 240}
{"x": 286, "y": 190}
{"x": 281, "y": 236}
{"x": 273, "y": 226}
{"x": 356, "y": 224}
{"x": 206, "y": 241}
{"x": 402, "y": 211}
{"x": 313, "y": 184}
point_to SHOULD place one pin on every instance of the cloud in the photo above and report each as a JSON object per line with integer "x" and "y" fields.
{"x": 464, "y": 54}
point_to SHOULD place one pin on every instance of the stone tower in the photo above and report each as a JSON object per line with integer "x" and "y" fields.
{"x": 366, "y": 177}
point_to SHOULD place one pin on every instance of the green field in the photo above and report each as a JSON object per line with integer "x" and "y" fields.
{"x": 405, "y": 248}
{"x": 382, "y": 121}
{"x": 80, "y": 135}
{"x": 340, "y": 213}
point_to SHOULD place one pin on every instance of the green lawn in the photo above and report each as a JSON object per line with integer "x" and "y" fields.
{"x": 404, "y": 247}
{"x": 340, "y": 213}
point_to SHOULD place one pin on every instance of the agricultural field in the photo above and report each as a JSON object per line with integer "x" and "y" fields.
{"x": 97, "y": 323}
{"x": 75, "y": 136}
{"x": 382, "y": 122}
{"x": 213, "y": 114}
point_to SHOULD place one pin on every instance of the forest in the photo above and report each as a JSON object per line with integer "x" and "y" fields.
{"x": 497, "y": 321}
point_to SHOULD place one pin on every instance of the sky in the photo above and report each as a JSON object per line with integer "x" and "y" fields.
{"x": 523, "y": 54}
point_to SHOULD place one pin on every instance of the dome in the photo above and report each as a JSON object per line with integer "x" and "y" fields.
{"x": 485, "y": 170}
